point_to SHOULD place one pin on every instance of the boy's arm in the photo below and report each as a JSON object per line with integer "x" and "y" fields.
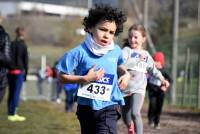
{"x": 68, "y": 78}
{"x": 92, "y": 75}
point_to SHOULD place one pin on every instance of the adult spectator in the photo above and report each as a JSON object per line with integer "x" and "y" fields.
{"x": 17, "y": 74}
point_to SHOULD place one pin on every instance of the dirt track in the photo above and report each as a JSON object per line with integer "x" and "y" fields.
{"x": 173, "y": 121}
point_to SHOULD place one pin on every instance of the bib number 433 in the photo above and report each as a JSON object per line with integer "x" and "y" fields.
{"x": 96, "y": 91}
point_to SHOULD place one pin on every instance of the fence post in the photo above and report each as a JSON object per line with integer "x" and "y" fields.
{"x": 185, "y": 88}
{"x": 175, "y": 49}
{"x": 198, "y": 95}
{"x": 190, "y": 84}
{"x": 43, "y": 62}
{"x": 23, "y": 94}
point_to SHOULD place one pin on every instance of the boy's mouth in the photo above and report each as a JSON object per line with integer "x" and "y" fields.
{"x": 104, "y": 41}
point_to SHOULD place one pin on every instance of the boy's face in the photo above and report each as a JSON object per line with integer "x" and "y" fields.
{"x": 136, "y": 39}
{"x": 103, "y": 33}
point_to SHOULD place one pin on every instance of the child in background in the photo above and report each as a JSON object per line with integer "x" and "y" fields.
{"x": 138, "y": 62}
{"x": 70, "y": 91}
{"x": 156, "y": 91}
{"x": 94, "y": 65}
{"x": 43, "y": 75}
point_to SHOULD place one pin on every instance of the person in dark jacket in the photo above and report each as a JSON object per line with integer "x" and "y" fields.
{"x": 157, "y": 91}
{"x": 5, "y": 58}
{"x": 17, "y": 74}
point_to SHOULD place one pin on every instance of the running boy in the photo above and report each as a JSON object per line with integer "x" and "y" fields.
{"x": 95, "y": 63}
{"x": 138, "y": 62}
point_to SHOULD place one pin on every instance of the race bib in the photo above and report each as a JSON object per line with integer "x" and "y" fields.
{"x": 98, "y": 90}
{"x": 140, "y": 67}
{"x": 137, "y": 62}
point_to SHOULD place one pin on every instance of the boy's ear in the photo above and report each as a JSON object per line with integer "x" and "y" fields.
{"x": 90, "y": 31}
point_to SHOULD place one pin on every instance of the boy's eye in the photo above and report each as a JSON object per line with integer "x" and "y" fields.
{"x": 106, "y": 30}
{"x": 112, "y": 32}
{"x": 103, "y": 29}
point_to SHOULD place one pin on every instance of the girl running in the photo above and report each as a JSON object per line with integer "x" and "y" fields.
{"x": 138, "y": 62}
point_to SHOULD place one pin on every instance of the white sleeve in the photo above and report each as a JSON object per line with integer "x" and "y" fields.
{"x": 125, "y": 53}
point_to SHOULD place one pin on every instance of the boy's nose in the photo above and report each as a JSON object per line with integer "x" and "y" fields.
{"x": 106, "y": 35}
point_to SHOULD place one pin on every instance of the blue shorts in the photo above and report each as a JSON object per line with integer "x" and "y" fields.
{"x": 102, "y": 121}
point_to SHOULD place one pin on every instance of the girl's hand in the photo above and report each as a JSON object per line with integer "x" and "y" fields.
{"x": 123, "y": 81}
{"x": 165, "y": 85}
{"x": 163, "y": 88}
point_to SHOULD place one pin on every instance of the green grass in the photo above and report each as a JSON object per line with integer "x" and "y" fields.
{"x": 42, "y": 118}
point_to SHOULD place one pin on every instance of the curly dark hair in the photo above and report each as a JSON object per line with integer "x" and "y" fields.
{"x": 102, "y": 13}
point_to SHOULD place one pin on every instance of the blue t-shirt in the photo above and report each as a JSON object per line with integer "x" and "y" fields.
{"x": 80, "y": 59}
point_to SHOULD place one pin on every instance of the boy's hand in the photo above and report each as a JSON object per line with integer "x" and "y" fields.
{"x": 93, "y": 74}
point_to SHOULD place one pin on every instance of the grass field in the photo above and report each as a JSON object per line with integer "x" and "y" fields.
{"x": 42, "y": 118}
{"x": 49, "y": 118}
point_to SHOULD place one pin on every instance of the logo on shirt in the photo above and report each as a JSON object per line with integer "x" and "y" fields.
{"x": 106, "y": 79}
{"x": 143, "y": 58}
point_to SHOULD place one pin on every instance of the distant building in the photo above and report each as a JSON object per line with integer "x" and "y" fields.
{"x": 51, "y": 7}
{"x": 73, "y": 3}
{"x": 12, "y": 8}
{"x": 113, "y": 3}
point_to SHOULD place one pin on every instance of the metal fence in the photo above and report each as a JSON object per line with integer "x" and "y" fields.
{"x": 188, "y": 81}
{"x": 31, "y": 91}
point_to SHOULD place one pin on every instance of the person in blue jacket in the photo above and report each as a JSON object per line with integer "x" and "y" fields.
{"x": 94, "y": 65}
{"x": 70, "y": 92}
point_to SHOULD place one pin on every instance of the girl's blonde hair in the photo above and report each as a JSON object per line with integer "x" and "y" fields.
{"x": 138, "y": 27}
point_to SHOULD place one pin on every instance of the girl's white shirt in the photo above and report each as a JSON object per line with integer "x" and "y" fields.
{"x": 138, "y": 63}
